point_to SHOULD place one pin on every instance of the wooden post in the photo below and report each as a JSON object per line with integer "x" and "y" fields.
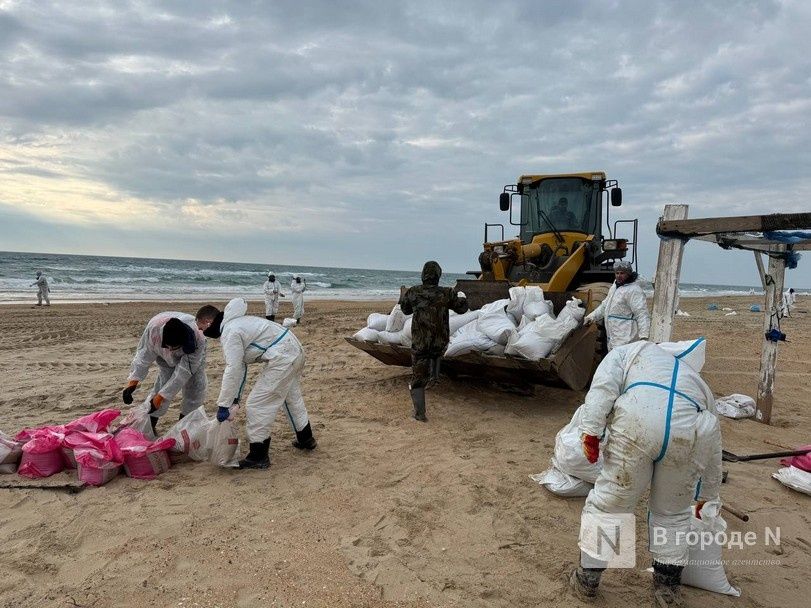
{"x": 768, "y": 356}
{"x": 668, "y": 269}
{"x": 761, "y": 271}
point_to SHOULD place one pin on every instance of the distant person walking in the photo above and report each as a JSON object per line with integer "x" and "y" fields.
{"x": 298, "y": 287}
{"x": 429, "y": 303}
{"x": 789, "y": 300}
{"x": 43, "y": 291}
{"x": 272, "y": 293}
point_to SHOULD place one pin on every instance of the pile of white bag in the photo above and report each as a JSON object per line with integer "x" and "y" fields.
{"x": 523, "y": 325}
{"x": 735, "y": 406}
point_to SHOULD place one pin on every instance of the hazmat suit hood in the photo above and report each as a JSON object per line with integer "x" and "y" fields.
{"x": 235, "y": 308}
{"x": 691, "y": 352}
{"x": 431, "y": 273}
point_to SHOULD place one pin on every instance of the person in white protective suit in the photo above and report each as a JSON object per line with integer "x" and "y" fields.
{"x": 789, "y": 300}
{"x": 624, "y": 309}
{"x": 298, "y": 287}
{"x": 43, "y": 291}
{"x": 174, "y": 342}
{"x": 663, "y": 434}
{"x": 272, "y": 293}
{"x": 247, "y": 340}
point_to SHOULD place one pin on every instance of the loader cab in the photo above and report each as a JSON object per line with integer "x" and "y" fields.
{"x": 562, "y": 204}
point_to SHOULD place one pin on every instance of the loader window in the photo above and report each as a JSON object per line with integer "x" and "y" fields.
{"x": 570, "y": 203}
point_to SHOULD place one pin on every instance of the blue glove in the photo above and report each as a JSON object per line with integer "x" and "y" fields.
{"x": 223, "y": 413}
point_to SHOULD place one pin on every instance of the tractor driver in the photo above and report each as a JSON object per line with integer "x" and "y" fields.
{"x": 561, "y": 216}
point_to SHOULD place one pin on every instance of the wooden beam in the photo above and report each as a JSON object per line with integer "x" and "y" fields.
{"x": 668, "y": 270}
{"x": 760, "y": 270}
{"x": 748, "y": 223}
{"x": 768, "y": 356}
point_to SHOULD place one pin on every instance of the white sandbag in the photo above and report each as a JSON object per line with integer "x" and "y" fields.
{"x": 520, "y": 297}
{"x": 735, "y": 406}
{"x": 138, "y": 419}
{"x": 561, "y": 484}
{"x": 528, "y": 345}
{"x": 533, "y": 310}
{"x": 681, "y": 313}
{"x": 495, "y": 323}
{"x": 456, "y": 322}
{"x": 288, "y": 322}
{"x": 396, "y": 319}
{"x": 468, "y": 339}
{"x": 705, "y": 570}
{"x": 10, "y": 451}
{"x": 497, "y": 349}
{"x": 191, "y": 435}
{"x": 794, "y": 478}
{"x": 569, "y": 457}
{"x": 223, "y": 439}
{"x": 542, "y": 337}
{"x": 388, "y": 337}
{"x": 573, "y": 310}
{"x": 367, "y": 334}
{"x": 377, "y": 321}
{"x": 405, "y": 334}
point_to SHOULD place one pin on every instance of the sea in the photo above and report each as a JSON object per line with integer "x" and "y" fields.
{"x": 82, "y": 278}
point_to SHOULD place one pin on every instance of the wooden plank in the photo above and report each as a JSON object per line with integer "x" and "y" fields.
{"x": 747, "y": 241}
{"x": 749, "y": 223}
{"x": 768, "y": 356}
{"x": 668, "y": 270}
{"x": 761, "y": 271}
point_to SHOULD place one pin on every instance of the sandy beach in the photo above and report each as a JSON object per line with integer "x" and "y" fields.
{"x": 387, "y": 511}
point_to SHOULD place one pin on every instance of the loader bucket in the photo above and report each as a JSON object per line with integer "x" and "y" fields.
{"x": 572, "y": 365}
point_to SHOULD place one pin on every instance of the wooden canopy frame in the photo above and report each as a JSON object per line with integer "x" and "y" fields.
{"x": 743, "y": 232}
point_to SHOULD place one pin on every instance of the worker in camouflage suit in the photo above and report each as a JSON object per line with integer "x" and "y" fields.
{"x": 429, "y": 303}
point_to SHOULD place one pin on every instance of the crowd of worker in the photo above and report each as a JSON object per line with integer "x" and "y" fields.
{"x": 651, "y": 401}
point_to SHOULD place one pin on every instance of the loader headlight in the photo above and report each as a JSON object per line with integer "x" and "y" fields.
{"x": 615, "y": 245}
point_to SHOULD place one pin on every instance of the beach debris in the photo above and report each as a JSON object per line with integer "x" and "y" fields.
{"x": 794, "y": 478}
{"x": 731, "y": 314}
{"x": 726, "y": 309}
{"x": 735, "y": 406}
{"x": 288, "y": 322}
{"x": 754, "y": 308}
{"x": 681, "y": 313}
{"x": 10, "y": 453}
{"x": 712, "y": 306}
{"x": 705, "y": 568}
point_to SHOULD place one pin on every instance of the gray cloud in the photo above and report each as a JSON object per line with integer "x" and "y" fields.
{"x": 402, "y": 121}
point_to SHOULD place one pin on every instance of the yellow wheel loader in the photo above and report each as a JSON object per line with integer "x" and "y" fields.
{"x": 566, "y": 245}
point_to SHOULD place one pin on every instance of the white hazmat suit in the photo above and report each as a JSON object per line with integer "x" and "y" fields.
{"x": 297, "y": 290}
{"x": 663, "y": 433}
{"x": 271, "y": 289}
{"x": 43, "y": 291}
{"x": 626, "y": 314}
{"x": 247, "y": 339}
{"x": 176, "y": 369}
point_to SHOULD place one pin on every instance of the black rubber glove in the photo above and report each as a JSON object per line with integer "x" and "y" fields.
{"x": 126, "y": 396}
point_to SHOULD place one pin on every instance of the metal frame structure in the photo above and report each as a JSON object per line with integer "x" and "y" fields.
{"x": 753, "y": 233}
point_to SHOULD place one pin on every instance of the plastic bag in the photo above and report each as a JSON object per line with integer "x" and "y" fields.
{"x": 224, "y": 441}
{"x": 377, "y": 321}
{"x": 10, "y": 453}
{"x": 396, "y": 320}
{"x": 705, "y": 570}
{"x": 568, "y": 456}
{"x": 96, "y": 422}
{"x": 367, "y": 334}
{"x": 735, "y": 406}
{"x": 42, "y": 455}
{"x": 468, "y": 339}
{"x": 191, "y": 435}
{"x": 144, "y": 458}
{"x": 98, "y": 465}
{"x": 456, "y": 322}
{"x": 288, "y": 322}
{"x": 406, "y": 338}
{"x": 561, "y": 484}
{"x": 495, "y": 323}
{"x": 28, "y": 433}
{"x": 802, "y": 462}
{"x": 389, "y": 337}
{"x": 79, "y": 439}
{"x": 533, "y": 310}
{"x": 138, "y": 419}
{"x": 794, "y": 478}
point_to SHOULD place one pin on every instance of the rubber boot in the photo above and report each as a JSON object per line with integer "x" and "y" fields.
{"x": 304, "y": 439}
{"x": 181, "y": 416}
{"x": 418, "y": 398}
{"x": 269, "y": 317}
{"x": 154, "y": 422}
{"x": 584, "y": 582}
{"x": 257, "y": 457}
{"x": 666, "y": 585}
{"x": 272, "y": 317}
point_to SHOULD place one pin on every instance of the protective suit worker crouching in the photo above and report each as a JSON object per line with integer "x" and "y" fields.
{"x": 429, "y": 303}
{"x": 272, "y": 293}
{"x": 246, "y": 340}
{"x": 662, "y": 433}
{"x": 174, "y": 342}
{"x": 43, "y": 291}
{"x": 624, "y": 309}
{"x": 298, "y": 287}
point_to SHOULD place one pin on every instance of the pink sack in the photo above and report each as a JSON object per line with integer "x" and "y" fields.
{"x": 143, "y": 458}
{"x": 28, "y": 434}
{"x": 801, "y": 462}
{"x": 78, "y": 439}
{"x": 42, "y": 455}
{"x": 98, "y": 465}
{"x": 95, "y": 422}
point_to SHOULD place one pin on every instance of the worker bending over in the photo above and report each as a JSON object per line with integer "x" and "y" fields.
{"x": 663, "y": 434}
{"x": 245, "y": 340}
{"x": 624, "y": 310}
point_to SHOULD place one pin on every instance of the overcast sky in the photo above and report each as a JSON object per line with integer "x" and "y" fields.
{"x": 379, "y": 134}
